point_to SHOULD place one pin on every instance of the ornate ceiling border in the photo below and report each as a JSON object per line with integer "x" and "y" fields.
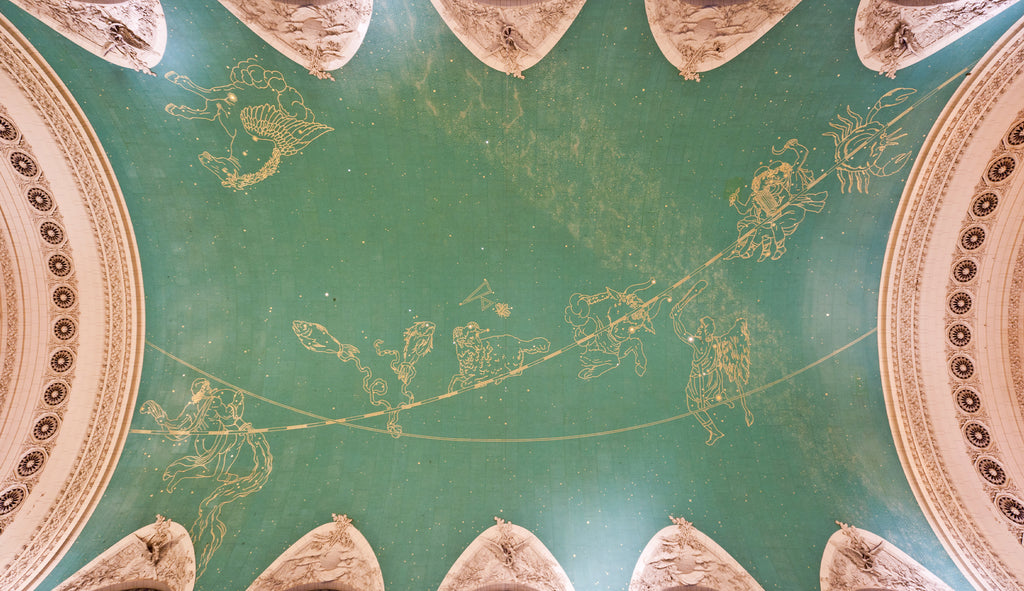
{"x": 108, "y": 300}
{"x": 928, "y": 373}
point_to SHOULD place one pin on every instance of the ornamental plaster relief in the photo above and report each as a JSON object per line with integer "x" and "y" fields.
{"x": 334, "y": 555}
{"x": 159, "y": 555}
{"x": 941, "y": 367}
{"x": 130, "y": 33}
{"x": 856, "y": 559}
{"x": 509, "y": 38}
{"x": 891, "y": 35}
{"x": 509, "y": 556}
{"x": 700, "y": 36}
{"x": 320, "y": 36}
{"x": 69, "y": 255}
{"x": 680, "y": 555}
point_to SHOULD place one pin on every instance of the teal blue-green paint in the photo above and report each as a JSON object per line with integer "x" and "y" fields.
{"x": 602, "y": 168}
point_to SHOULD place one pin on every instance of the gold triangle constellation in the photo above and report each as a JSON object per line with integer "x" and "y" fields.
{"x": 478, "y": 294}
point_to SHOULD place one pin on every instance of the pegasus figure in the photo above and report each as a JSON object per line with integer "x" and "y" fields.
{"x": 271, "y": 114}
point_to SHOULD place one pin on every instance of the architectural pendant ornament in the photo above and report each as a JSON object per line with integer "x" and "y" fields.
{"x": 700, "y": 36}
{"x": 321, "y": 36}
{"x": 858, "y": 559}
{"x": 893, "y": 34}
{"x": 159, "y": 556}
{"x": 509, "y": 38}
{"x": 506, "y": 556}
{"x": 680, "y": 555}
{"x": 130, "y": 33}
{"x": 334, "y": 555}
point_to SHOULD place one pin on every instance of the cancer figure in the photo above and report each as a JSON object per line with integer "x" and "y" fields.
{"x": 608, "y": 326}
{"x": 718, "y": 360}
{"x": 778, "y": 202}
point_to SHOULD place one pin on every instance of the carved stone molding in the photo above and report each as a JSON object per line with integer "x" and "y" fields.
{"x": 159, "y": 555}
{"x": 332, "y": 556}
{"x": 700, "y": 36}
{"x": 320, "y": 36}
{"x": 950, "y": 356}
{"x": 506, "y": 556}
{"x": 680, "y": 555}
{"x": 131, "y": 34}
{"x": 69, "y": 263}
{"x": 891, "y": 35}
{"x": 855, "y": 559}
{"x": 509, "y": 37}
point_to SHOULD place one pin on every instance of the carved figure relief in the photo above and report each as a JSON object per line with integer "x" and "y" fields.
{"x": 608, "y": 325}
{"x": 334, "y": 555}
{"x": 319, "y": 36}
{"x": 858, "y": 559}
{"x": 700, "y": 36}
{"x": 510, "y": 38}
{"x": 271, "y": 116}
{"x": 505, "y": 555}
{"x": 681, "y": 556}
{"x": 160, "y": 553}
{"x": 719, "y": 369}
{"x": 893, "y": 35}
{"x": 131, "y": 34}
{"x": 419, "y": 341}
{"x": 213, "y": 418}
{"x": 490, "y": 358}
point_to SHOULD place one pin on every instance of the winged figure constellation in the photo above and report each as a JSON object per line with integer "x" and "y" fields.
{"x": 720, "y": 365}
{"x": 219, "y": 411}
{"x": 274, "y": 121}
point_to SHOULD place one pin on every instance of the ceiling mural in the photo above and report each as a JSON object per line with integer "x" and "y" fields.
{"x": 426, "y": 294}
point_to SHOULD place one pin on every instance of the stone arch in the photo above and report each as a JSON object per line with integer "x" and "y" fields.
{"x": 332, "y": 557}
{"x": 157, "y": 557}
{"x": 682, "y": 558}
{"x": 525, "y": 563}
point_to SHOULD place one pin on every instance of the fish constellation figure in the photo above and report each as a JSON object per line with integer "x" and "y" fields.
{"x": 269, "y": 113}
{"x": 778, "y": 202}
{"x": 495, "y": 357}
{"x": 221, "y": 439}
{"x": 419, "y": 341}
{"x": 862, "y": 141}
{"x": 608, "y": 326}
{"x": 718, "y": 360}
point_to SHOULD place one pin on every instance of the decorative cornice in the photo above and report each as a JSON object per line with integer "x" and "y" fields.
{"x": 921, "y": 376}
{"x": 108, "y": 291}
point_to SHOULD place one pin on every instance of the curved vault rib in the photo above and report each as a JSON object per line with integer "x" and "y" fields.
{"x": 855, "y": 559}
{"x": 332, "y": 556}
{"x": 509, "y": 38}
{"x": 158, "y": 556}
{"x": 700, "y": 36}
{"x": 949, "y": 322}
{"x": 680, "y": 556}
{"x": 319, "y": 35}
{"x": 129, "y": 33}
{"x": 506, "y": 556}
{"x": 893, "y": 34}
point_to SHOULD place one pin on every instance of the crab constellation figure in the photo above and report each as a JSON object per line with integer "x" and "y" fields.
{"x": 861, "y": 142}
{"x": 717, "y": 361}
{"x": 778, "y": 202}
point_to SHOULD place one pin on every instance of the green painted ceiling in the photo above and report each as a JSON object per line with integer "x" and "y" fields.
{"x": 601, "y": 169}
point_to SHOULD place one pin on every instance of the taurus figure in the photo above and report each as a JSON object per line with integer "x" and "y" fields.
{"x": 608, "y": 326}
{"x": 260, "y": 103}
